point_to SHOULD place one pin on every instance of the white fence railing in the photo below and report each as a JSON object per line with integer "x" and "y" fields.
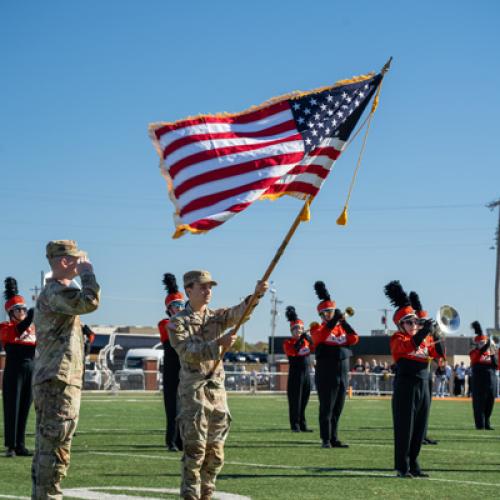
{"x": 241, "y": 380}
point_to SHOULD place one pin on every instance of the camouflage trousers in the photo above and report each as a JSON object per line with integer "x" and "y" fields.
{"x": 57, "y": 406}
{"x": 204, "y": 425}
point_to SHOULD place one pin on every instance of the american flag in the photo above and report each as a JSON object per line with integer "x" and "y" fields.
{"x": 218, "y": 165}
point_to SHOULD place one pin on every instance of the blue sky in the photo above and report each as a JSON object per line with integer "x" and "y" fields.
{"x": 82, "y": 81}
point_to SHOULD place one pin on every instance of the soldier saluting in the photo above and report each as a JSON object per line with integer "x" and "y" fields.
{"x": 58, "y": 370}
{"x": 197, "y": 334}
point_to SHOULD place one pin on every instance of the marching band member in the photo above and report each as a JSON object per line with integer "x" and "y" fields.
{"x": 174, "y": 302}
{"x": 298, "y": 349}
{"x": 331, "y": 340}
{"x": 421, "y": 314}
{"x": 18, "y": 338}
{"x": 484, "y": 365}
{"x": 411, "y": 347}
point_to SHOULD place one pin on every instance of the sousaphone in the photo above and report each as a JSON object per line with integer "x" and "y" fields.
{"x": 448, "y": 320}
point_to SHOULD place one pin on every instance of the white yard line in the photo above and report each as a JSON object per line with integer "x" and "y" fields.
{"x": 299, "y": 467}
{"x": 429, "y": 448}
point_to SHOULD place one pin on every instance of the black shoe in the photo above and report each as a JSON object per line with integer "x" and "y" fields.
{"x": 172, "y": 448}
{"x": 23, "y": 452}
{"x": 326, "y": 444}
{"x": 429, "y": 441}
{"x": 295, "y": 430}
{"x": 339, "y": 444}
{"x": 489, "y": 428}
{"x": 10, "y": 452}
{"x": 418, "y": 473}
{"x": 479, "y": 428}
{"x": 305, "y": 429}
{"x": 405, "y": 475}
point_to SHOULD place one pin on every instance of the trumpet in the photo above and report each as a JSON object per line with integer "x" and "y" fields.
{"x": 349, "y": 311}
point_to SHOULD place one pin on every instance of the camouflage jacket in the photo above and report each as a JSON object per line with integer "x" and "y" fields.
{"x": 194, "y": 337}
{"x": 59, "y": 350}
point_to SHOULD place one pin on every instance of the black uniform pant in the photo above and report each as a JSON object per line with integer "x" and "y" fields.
{"x": 483, "y": 395}
{"x": 298, "y": 390}
{"x": 331, "y": 382}
{"x": 410, "y": 411}
{"x": 170, "y": 400}
{"x": 17, "y": 399}
{"x": 431, "y": 387}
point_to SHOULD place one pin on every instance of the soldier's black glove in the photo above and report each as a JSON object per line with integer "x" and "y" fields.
{"x": 332, "y": 323}
{"x": 23, "y": 325}
{"x": 347, "y": 327}
{"x": 485, "y": 346}
{"x": 422, "y": 333}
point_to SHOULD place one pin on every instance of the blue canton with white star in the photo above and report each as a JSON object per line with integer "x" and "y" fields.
{"x": 333, "y": 112}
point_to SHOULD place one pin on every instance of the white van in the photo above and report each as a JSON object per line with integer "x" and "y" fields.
{"x": 132, "y": 374}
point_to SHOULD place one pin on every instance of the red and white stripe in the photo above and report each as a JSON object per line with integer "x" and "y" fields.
{"x": 218, "y": 166}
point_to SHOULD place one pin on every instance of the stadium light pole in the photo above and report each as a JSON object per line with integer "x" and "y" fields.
{"x": 492, "y": 206}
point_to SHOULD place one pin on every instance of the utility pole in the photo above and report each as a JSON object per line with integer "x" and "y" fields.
{"x": 384, "y": 320}
{"x": 243, "y": 332}
{"x": 37, "y": 289}
{"x": 274, "y": 315}
{"x": 492, "y": 206}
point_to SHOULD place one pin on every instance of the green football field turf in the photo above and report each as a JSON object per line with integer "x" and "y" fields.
{"x": 119, "y": 443}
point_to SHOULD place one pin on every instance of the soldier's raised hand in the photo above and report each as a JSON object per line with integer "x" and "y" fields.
{"x": 84, "y": 265}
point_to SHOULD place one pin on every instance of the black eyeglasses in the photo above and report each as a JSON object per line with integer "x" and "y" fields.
{"x": 410, "y": 322}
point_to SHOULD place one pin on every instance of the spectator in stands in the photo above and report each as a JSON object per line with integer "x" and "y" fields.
{"x": 366, "y": 378}
{"x": 468, "y": 379}
{"x": 386, "y": 383}
{"x": 459, "y": 379}
{"x": 441, "y": 380}
{"x": 375, "y": 371}
{"x": 357, "y": 379}
{"x": 449, "y": 376}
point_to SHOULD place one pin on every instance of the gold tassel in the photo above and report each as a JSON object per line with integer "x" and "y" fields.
{"x": 342, "y": 220}
{"x": 305, "y": 215}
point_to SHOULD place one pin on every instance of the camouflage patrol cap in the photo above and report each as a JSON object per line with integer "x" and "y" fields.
{"x": 198, "y": 277}
{"x": 60, "y": 248}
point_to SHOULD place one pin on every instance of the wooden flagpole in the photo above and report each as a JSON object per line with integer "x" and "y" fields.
{"x": 302, "y": 216}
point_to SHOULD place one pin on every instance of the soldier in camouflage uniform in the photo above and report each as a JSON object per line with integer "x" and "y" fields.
{"x": 57, "y": 376}
{"x": 197, "y": 334}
